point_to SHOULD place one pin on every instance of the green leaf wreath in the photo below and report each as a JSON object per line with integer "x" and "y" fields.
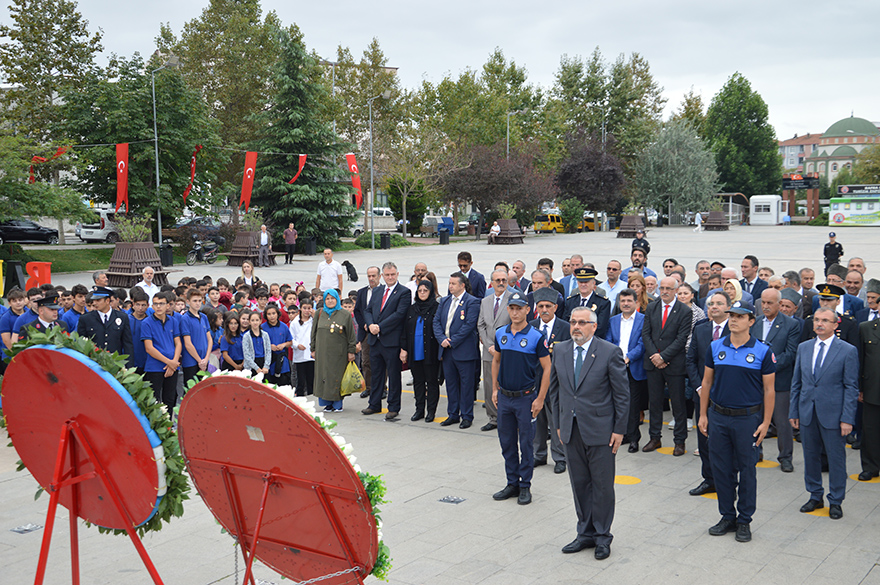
{"x": 171, "y": 504}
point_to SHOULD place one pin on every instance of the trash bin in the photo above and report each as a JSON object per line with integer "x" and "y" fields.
{"x": 166, "y": 255}
{"x": 311, "y": 246}
{"x": 444, "y": 237}
{"x": 611, "y": 222}
{"x": 385, "y": 241}
{"x": 472, "y": 229}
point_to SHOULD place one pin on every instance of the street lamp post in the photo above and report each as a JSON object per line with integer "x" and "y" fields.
{"x": 384, "y": 95}
{"x": 172, "y": 62}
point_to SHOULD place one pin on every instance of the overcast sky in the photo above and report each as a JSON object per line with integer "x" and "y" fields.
{"x": 812, "y": 62}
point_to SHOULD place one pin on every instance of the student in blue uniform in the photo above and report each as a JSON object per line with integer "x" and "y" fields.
{"x": 72, "y": 315}
{"x": 279, "y": 340}
{"x": 160, "y": 333}
{"x": 231, "y": 352}
{"x": 17, "y": 300}
{"x": 519, "y": 397}
{"x": 256, "y": 345}
{"x": 140, "y": 301}
{"x": 738, "y": 383}
{"x": 34, "y": 294}
{"x": 195, "y": 333}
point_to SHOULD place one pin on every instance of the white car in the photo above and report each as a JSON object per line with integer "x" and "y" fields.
{"x": 104, "y": 231}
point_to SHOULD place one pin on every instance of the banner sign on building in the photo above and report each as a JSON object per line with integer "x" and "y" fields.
{"x": 798, "y": 182}
{"x": 855, "y": 190}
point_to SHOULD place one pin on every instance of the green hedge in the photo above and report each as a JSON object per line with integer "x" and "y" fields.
{"x": 15, "y": 252}
{"x": 821, "y": 220}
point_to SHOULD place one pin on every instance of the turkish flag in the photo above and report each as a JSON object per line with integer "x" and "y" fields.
{"x": 247, "y": 181}
{"x": 192, "y": 174}
{"x": 122, "y": 176}
{"x": 302, "y": 163}
{"x": 355, "y": 178}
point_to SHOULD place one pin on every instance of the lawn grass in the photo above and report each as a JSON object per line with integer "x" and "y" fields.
{"x": 85, "y": 260}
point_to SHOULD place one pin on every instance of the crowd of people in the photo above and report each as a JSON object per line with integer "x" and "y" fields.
{"x": 740, "y": 356}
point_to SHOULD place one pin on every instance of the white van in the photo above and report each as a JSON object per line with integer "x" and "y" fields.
{"x": 104, "y": 231}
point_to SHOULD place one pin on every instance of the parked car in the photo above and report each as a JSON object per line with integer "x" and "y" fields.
{"x": 205, "y": 228}
{"x": 24, "y": 230}
{"x": 383, "y": 211}
{"x": 103, "y": 231}
{"x": 548, "y": 223}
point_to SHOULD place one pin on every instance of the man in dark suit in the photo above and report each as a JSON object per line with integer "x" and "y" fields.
{"x": 361, "y": 305}
{"x": 625, "y": 331}
{"x": 705, "y": 332}
{"x": 872, "y": 311}
{"x": 522, "y": 283}
{"x": 869, "y": 358}
{"x": 586, "y": 297}
{"x": 455, "y": 328}
{"x": 476, "y": 280}
{"x": 665, "y": 334}
{"x": 541, "y": 279}
{"x": 590, "y": 401}
{"x": 546, "y": 264}
{"x": 493, "y": 314}
{"x": 783, "y": 335}
{"x": 384, "y": 318}
{"x": 108, "y": 328}
{"x": 850, "y": 304}
{"x": 824, "y": 394}
{"x": 47, "y": 316}
{"x": 750, "y": 282}
{"x": 553, "y": 330}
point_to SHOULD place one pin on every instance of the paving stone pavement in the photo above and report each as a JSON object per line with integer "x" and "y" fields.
{"x": 659, "y": 530}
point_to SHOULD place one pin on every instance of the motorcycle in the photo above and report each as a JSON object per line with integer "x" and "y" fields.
{"x": 205, "y": 251}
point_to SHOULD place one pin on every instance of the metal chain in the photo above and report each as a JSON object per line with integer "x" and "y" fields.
{"x": 307, "y": 582}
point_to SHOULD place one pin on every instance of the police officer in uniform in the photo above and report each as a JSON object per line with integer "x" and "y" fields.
{"x": 641, "y": 243}
{"x": 108, "y": 328}
{"x": 738, "y": 381}
{"x": 832, "y": 252}
{"x": 519, "y": 350}
{"x": 830, "y": 296}
{"x": 47, "y": 316}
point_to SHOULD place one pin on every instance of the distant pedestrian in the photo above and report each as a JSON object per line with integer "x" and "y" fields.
{"x": 290, "y": 235}
{"x": 698, "y": 222}
{"x": 832, "y": 252}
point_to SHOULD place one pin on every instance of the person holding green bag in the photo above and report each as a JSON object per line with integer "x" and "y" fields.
{"x": 333, "y": 346}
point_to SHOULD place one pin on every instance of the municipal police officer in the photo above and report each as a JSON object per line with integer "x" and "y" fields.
{"x": 832, "y": 251}
{"x": 108, "y": 328}
{"x": 738, "y": 383}
{"x": 519, "y": 350}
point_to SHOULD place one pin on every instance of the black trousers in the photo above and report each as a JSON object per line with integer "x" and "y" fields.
{"x": 189, "y": 372}
{"x": 870, "y": 453}
{"x": 164, "y": 389}
{"x": 703, "y": 444}
{"x": 305, "y": 378}
{"x": 657, "y": 378}
{"x": 638, "y": 393}
{"x": 226, "y": 367}
{"x": 289, "y": 248}
{"x": 426, "y": 385}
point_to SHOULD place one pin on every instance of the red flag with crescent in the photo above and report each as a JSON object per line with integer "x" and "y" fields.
{"x": 122, "y": 176}
{"x": 302, "y": 163}
{"x": 247, "y": 181}
{"x": 192, "y": 174}
{"x": 40, "y": 159}
{"x": 355, "y": 178}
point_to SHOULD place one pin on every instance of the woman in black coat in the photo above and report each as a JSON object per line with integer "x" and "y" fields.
{"x": 419, "y": 347}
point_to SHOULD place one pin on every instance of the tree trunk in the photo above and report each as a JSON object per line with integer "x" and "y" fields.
{"x": 405, "y": 228}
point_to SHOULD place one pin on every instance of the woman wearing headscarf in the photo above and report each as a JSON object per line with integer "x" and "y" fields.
{"x": 333, "y": 345}
{"x": 419, "y": 347}
{"x": 733, "y": 289}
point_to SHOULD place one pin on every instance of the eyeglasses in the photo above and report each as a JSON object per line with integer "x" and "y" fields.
{"x": 464, "y": 265}
{"x": 499, "y": 280}
{"x": 581, "y": 322}
{"x": 612, "y": 269}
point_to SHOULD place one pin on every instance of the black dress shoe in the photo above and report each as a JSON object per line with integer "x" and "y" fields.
{"x": 559, "y": 467}
{"x": 743, "y": 533}
{"x": 465, "y": 424}
{"x": 723, "y": 527}
{"x": 429, "y": 418}
{"x": 539, "y": 462}
{"x": 449, "y": 422}
{"x": 525, "y": 496}
{"x": 417, "y": 416}
{"x": 633, "y": 448}
{"x": 812, "y": 505}
{"x": 867, "y": 476}
{"x": 704, "y": 488}
{"x": 857, "y": 445}
{"x": 786, "y": 466}
{"x": 577, "y": 545}
{"x": 835, "y": 512}
{"x": 508, "y": 492}
{"x": 365, "y": 393}
{"x": 489, "y": 426}
{"x": 369, "y": 411}
{"x": 603, "y": 551}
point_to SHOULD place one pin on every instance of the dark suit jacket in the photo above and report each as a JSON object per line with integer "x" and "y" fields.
{"x": 23, "y": 333}
{"x": 783, "y": 338}
{"x": 669, "y": 341}
{"x": 599, "y": 400}
{"x": 833, "y": 394}
{"x": 862, "y": 315}
{"x": 462, "y": 331}
{"x": 847, "y": 330}
{"x": 869, "y": 357}
{"x": 701, "y": 339}
{"x": 602, "y": 310}
{"x": 561, "y": 332}
{"x": 360, "y": 306}
{"x": 389, "y": 320}
{"x": 636, "y": 350}
{"x": 760, "y": 286}
{"x": 408, "y": 335}
{"x": 851, "y": 304}
{"x": 560, "y": 306}
{"x": 115, "y": 336}
{"x": 523, "y": 284}
{"x": 478, "y": 284}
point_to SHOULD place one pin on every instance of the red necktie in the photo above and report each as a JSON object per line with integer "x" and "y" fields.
{"x": 497, "y": 303}
{"x": 717, "y": 333}
{"x": 665, "y": 314}
{"x": 388, "y": 290}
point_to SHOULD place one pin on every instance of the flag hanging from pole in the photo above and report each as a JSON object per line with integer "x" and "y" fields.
{"x": 40, "y": 159}
{"x": 122, "y": 176}
{"x": 247, "y": 181}
{"x": 302, "y": 163}
{"x": 355, "y": 178}
{"x": 192, "y": 174}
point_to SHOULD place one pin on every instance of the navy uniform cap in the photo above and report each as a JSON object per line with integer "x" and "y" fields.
{"x": 518, "y": 299}
{"x": 99, "y": 292}
{"x": 585, "y": 273}
{"x": 50, "y": 301}
{"x": 832, "y": 235}
{"x": 741, "y": 308}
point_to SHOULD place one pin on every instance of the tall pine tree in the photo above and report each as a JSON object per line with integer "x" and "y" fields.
{"x": 319, "y": 203}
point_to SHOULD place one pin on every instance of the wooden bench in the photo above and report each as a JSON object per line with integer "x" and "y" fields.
{"x": 629, "y": 225}
{"x": 510, "y": 233}
{"x": 246, "y": 248}
{"x": 717, "y": 222}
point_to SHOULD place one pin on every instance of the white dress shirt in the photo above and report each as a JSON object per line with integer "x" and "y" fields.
{"x": 626, "y": 327}
{"x": 824, "y": 353}
{"x": 768, "y": 325}
{"x": 574, "y": 352}
{"x": 549, "y": 326}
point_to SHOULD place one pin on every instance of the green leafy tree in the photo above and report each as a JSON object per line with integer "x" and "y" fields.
{"x": 571, "y": 211}
{"x": 407, "y": 189}
{"x": 319, "y": 203}
{"x": 116, "y": 105}
{"x": 739, "y": 132}
{"x": 677, "y": 171}
{"x": 867, "y": 166}
{"x": 592, "y": 172}
{"x": 691, "y": 110}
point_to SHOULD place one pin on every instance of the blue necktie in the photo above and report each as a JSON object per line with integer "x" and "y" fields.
{"x": 818, "y": 363}
{"x": 578, "y": 365}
